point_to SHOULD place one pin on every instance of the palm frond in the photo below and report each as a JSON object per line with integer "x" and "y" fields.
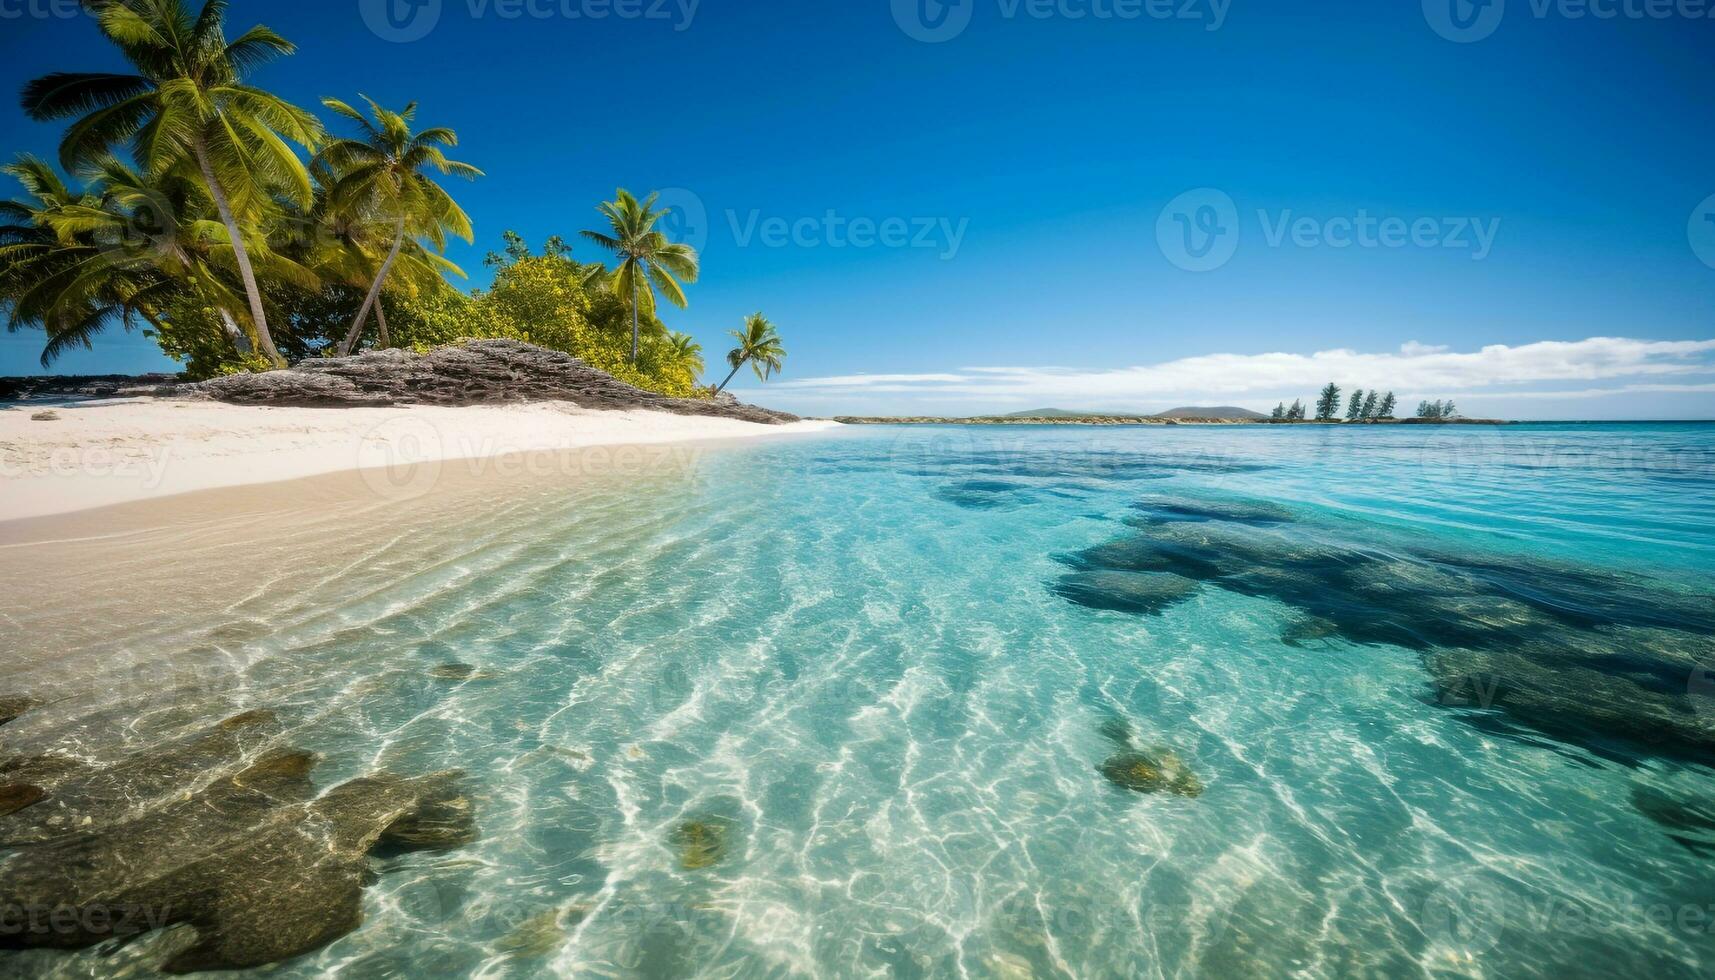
{"x": 62, "y": 94}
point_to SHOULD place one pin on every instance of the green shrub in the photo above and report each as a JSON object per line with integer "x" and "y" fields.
{"x": 541, "y": 300}
{"x": 192, "y": 335}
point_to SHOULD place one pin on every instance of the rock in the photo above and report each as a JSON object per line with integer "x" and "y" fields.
{"x": 86, "y": 386}
{"x": 1151, "y": 772}
{"x": 1257, "y": 513}
{"x": 17, "y": 796}
{"x": 1309, "y": 631}
{"x": 701, "y": 843}
{"x": 985, "y": 494}
{"x": 38, "y": 768}
{"x": 1573, "y": 651}
{"x": 537, "y": 937}
{"x": 461, "y": 672}
{"x": 439, "y": 824}
{"x": 1117, "y": 730}
{"x": 48, "y": 416}
{"x": 1688, "y": 823}
{"x": 478, "y": 372}
{"x": 1144, "y": 593}
{"x": 84, "y": 798}
{"x": 1548, "y": 687}
{"x": 262, "y": 871}
{"x": 13, "y": 706}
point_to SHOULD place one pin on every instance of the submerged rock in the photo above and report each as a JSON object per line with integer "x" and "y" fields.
{"x": 17, "y": 796}
{"x": 79, "y": 798}
{"x": 1254, "y": 512}
{"x": 1548, "y": 688}
{"x": 1579, "y": 653}
{"x": 1145, "y": 593}
{"x": 461, "y": 672}
{"x": 262, "y": 871}
{"x": 702, "y": 843}
{"x": 1308, "y": 630}
{"x": 13, "y": 706}
{"x": 1117, "y": 730}
{"x": 1151, "y": 772}
{"x": 985, "y": 494}
{"x": 1690, "y": 824}
{"x": 1144, "y": 769}
{"x": 536, "y": 937}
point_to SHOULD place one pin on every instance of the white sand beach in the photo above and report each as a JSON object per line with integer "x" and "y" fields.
{"x": 97, "y": 454}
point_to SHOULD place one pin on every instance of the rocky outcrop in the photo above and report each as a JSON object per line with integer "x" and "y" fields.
{"x": 72, "y": 386}
{"x": 222, "y": 831}
{"x": 479, "y": 372}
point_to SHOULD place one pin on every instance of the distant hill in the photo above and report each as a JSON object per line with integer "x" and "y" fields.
{"x": 1218, "y": 412}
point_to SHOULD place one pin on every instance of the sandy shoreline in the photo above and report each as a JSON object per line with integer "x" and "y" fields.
{"x": 98, "y": 454}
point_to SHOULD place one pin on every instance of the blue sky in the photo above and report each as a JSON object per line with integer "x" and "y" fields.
{"x": 999, "y": 220}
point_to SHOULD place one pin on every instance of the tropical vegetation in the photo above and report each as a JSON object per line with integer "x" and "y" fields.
{"x": 237, "y": 232}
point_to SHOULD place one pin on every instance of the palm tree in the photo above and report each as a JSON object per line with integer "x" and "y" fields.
{"x": 759, "y": 344}
{"x": 341, "y": 248}
{"x": 69, "y": 261}
{"x": 382, "y": 175}
{"x": 684, "y": 351}
{"x": 127, "y": 247}
{"x": 187, "y": 107}
{"x": 38, "y": 260}
{"x": 647, "y": 260}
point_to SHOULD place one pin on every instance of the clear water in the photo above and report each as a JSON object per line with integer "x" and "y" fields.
{"x": 849, "y": 651}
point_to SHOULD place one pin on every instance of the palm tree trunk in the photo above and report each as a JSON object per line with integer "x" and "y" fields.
{"x": 729, "y": 377}
{"x": 241, "y": 254}
{"x": 634, "y": 273}
{"x": 381, "y": 324}
{"x": 240, "y": 342}
{"x": 374, "y": 289}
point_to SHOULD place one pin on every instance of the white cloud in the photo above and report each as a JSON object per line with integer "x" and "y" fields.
{"x": 1417, "y": 368}
{"x": 1412, "y": 348}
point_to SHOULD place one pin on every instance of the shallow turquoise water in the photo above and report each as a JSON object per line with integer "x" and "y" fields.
{"x": 859, "y": 654}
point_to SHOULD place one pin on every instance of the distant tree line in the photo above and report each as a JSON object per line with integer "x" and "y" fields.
{"x": 1362, "y": 407}
{"x": 1436, "y": 410}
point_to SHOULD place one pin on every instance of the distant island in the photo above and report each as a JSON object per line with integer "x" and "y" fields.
{"x": 1219, "y": 415}
{"x": 1224, "y": 413}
